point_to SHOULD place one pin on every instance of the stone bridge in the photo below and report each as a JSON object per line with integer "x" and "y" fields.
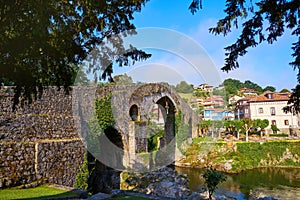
{"x": 42, "y": 141}
{"x": 133, "y": 107}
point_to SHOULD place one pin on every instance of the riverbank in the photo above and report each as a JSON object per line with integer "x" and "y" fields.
{"x": 280, "y": 183}
{"x": 236, "y": 156}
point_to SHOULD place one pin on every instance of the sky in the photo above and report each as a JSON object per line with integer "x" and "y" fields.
{"x": 266, "y": 65}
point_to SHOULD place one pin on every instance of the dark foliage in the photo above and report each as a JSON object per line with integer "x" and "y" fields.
{"x": 43, "y": 42}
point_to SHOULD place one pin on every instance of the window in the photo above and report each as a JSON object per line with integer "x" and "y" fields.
{"x": 273, "y": 122}
{"x": 272, "y": 110}
{"x": 246, "y": 111}
{"x": 286, "y": 122}
{"x": 270, "y": 96}
{"x": 260, "y": 110}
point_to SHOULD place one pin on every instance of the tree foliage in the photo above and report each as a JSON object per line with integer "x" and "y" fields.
{"x": 200, "y": 93}
{"x": 184, "y": 87}
{"x": 261, "y": 124}
{"x": 269, "y": 88}
{"x": 249, "y": 84}
{"x": 284, "y": 90}
{"x": 43, "y": 42}
{"x": 123, "y": 79}
{"x": 212, "y": 179}
{"x": 103, "y": 112}
{"x": 264, "y": 21}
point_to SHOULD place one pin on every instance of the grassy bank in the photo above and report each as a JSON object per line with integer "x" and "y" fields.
{"x": 41, "y": 192}
{"x": 235, "y": 157}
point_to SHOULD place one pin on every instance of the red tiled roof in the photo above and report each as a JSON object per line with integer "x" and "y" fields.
{"x": 247, "y": 90}
{"x": 275, "y": 97}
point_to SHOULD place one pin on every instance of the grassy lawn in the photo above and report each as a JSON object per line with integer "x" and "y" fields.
{"x": 40, "y": 192}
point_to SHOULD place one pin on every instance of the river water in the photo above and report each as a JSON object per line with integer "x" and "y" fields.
{"x": 281, "y": 183}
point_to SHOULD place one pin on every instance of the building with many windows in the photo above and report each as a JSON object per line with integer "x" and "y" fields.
{"x": 268, "y": 105}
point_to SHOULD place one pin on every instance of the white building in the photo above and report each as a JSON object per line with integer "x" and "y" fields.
{"x": 232, "y": 100}
{"x": 269, "y": 105}
{"x": 205, "y": 87}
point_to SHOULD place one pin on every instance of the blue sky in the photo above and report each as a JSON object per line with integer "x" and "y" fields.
{"x": 265, "y": 64}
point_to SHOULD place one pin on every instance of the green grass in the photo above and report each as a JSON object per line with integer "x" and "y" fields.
{"x": 186, "y": 95}
{"x": 40, "y": 192}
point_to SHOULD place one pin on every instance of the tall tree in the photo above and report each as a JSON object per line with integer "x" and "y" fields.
{"x": 264, "y": 21}
{"x": 42, "y": 42}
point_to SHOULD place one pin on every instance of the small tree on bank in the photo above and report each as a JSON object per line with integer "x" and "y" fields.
{"x": 212, "y": 180}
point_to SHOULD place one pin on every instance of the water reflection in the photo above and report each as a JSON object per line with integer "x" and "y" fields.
{"x": 282, "y": 183}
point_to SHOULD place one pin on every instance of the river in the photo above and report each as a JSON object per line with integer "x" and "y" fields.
{"x": 281, "y": 183}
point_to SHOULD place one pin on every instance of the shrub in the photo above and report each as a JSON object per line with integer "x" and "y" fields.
{"x": 212, "y": 179}
{"x": 279, "y": 135}
{"x": 81, "y": 181}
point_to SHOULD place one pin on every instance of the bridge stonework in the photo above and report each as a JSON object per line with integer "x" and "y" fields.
{"x": 42, "y": 141}
{"x": 38, "y": 141}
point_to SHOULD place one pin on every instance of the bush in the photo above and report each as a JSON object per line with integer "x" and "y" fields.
{"x": 212, "y": 180}
{"x": 279, "y": 135}
{"x": 274, "y": 128}
{"x": 81, "y": 181}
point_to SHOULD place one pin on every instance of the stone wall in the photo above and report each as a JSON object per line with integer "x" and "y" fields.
{"x": 39, "y": 141}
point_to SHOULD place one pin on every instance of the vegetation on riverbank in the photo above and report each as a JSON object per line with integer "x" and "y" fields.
{"x": 41, "y": 192}
{"x": 234, "y": 157}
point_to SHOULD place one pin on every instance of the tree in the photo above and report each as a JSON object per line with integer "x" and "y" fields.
{"x": 216, "y": 126}
{"x": 284, "y": 90}
{"x": 261, "y": 124}
{"x": 123, "y": 79}
{"x": 247, "y": 124}
{"x": 234, "y": 127}
{"x": 201, "y": 93}
{"x": 265, "y": 21}
{"x": 43, "y": 42}
{"x": 249, "y": 84}
{"x": 269, "y": 88}
{"x": 184, "y": 87}
{"x": 203, "y": 125}
{"x": 231, "y": 87}
{"x": 212, "y": 180}
{"x": 81, "y": 78}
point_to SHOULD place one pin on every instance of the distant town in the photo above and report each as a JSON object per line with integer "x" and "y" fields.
{"x": 234, "y": 100}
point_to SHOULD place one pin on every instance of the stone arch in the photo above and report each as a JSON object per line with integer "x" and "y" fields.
{"x": 106, "y": 176}
{"x": 134, "y": 112}
{"x": 168, "y": 110}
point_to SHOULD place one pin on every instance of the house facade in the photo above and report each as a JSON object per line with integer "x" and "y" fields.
{"x": 218, "y": 114}
{"x": 205, "y": 87}
{"x": 242, "y": 109}
{"x": 213, "y": 101}
{"x": 234, "y": 99}
{"x": 268, "y": 105}
{"x": 247, "y": 92}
